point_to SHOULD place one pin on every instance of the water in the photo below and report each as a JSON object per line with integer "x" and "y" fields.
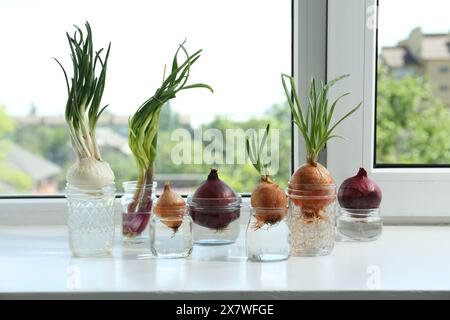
{"x": 269, "y": 242}
{"x": 360, "y": 227}
{"x": 206, "y": 236}
{"x": 166, "y": 242}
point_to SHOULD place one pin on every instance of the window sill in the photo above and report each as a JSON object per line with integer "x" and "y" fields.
{"x": 406, "y": 262}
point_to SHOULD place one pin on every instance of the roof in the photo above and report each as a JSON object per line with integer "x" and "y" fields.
{"x": 433, "y": 47}
{"x": 106, "y": 137}
{"x": 396, "y": 57}
{"x": 436, "y": 47}
{"x": 33, "y": 165}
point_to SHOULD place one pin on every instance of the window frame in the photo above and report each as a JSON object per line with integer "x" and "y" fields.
{"x": 409, "y": 194}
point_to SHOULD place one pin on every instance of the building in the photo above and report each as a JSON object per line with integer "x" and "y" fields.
{"x": 422, "y": 54}
{"x": 44, "y": 174}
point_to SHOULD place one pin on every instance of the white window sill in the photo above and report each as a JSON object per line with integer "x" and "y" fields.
{"x": 406, "y": 262}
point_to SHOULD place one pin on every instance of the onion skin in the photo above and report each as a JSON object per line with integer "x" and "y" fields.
{"x": 266, "y": 197}
{"x": 214, "y": 214}
{"x": 170, "y": 207}
{"x": 359, "y": 192}
{"x": 307, "y": 181}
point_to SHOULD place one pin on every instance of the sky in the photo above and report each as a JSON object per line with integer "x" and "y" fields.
{"x": 246, "y": 46}
{"x": 398, "y": 17}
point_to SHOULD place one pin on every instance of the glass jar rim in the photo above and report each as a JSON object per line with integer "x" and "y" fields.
{"x": 234, "y": 202}
{"x": 90, "y": 188}
{"x": 133, "y": 185}
{"x": 311, "y": 197}
{"x": 310, "y": 185}
{"x": 175, "y": 217}
{"x": 361, "y": 211}
{"x": 173, "y": 209}
{"x": 264, "y": 209}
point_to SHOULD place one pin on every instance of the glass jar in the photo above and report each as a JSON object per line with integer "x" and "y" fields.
{"x": 171, "y": 235}
{"x": 136, "y": 218}
{"x": 216, "y": 221}
{"x": 268, "y": 237}
{"x": 312, "y": 216}
{"x": 90, "y": 220}
{"x": 359, "y": 224}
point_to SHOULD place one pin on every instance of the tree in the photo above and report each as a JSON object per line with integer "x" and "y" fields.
{"x": 50, "y": 142}
{"x": 10, "y": 176}
{"x": 412, "y": 123}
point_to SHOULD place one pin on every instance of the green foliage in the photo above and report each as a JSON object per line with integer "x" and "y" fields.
{"x": 123, "y": 166}
{"x": 7, "y": 124}
{"x": 84, "y": 90}
{"x": 315, "y": 126}
{"x": 412, "y": 123}
{"x": 8, "y": 174}
{"x": 144, "y": 124}
{"x": 50, "y": 142}
{"x": 254, "y": 150}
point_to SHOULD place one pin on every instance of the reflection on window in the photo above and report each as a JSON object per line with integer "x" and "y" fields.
{"x": 245, "y": 50}
{"x": 413, "y": 104}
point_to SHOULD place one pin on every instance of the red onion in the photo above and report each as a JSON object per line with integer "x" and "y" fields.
{"x": 214, "y": 204}
{"x": 359, "y": 192}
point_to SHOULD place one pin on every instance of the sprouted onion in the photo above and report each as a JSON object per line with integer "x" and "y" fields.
{"x": 170, "y": 207}
{"x": 312, "y": 178}
{"x": 268, "y": 199}
{"x": 143, "y": 138}
{"x": 85, "y": 90}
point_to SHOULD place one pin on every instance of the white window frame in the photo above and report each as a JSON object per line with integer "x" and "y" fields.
{"x": 413, "y": 194}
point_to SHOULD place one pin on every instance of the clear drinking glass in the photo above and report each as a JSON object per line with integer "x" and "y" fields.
{"x": 312, "y": 216}
{"x": 136, "y": 219}
{"x": 359, "y": 224}
{"x": 90, "y": 220}
{"x": 171, "y": 235}
{"x": 268, "y": 237}
{"x": 216, "y": 221}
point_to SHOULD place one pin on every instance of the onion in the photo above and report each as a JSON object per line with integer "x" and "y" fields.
{"x": 90, "y": 172}
{"x": 312, "y": 188}
{"x": 266, "y": 199}
{"x": 359, "y": 192}
{"x": 213, "y": 203}
{"x": 170, "y": 207}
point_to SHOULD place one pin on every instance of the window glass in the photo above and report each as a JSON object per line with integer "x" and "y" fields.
{"x": 247, "y": 44}
{"x": 413, "y": 103}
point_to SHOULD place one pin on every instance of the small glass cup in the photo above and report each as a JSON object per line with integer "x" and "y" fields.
{"x": 135, "y": 219}
{"x": 268, "y": 237}
{"x": 171, "y": 234}
{"x": 359, "y": 224}
{"x": 216, "y": 221}
{"x": 90, "y": 220}
{"x": 312, "y": 216}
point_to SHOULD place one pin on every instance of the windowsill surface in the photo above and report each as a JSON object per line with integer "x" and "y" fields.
{"x": 406, "y": 262}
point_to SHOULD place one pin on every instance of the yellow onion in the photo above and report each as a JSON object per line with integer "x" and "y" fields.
{"x": 310, "y": 188}
{"x": 266, "y": 199}
{"x": 170, "y": 207}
